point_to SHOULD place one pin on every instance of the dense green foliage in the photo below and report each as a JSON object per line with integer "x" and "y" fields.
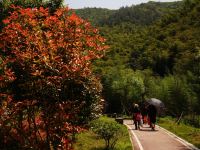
{"x": 173, "y": 48}
{"x": 143, "y": 14}
{"x": 94, "y": 15}
{"x": 122, "y": 87}
{"x": 163, "y": 51}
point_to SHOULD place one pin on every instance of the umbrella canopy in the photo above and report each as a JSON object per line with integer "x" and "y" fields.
{"x": 157, "y": 103}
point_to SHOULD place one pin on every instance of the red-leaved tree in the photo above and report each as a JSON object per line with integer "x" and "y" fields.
{"x": 47, "y": 87}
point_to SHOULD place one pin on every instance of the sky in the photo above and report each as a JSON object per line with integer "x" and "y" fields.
{"x": 110, "y": 4}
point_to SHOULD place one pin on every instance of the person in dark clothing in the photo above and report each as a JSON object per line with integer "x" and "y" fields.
{"x": 152, "y": 116}
{"x": 144, "y": 113}
{"x": 136, "y": 116}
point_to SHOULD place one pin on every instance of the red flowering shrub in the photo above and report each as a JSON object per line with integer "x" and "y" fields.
{"x": 47, "y": 87}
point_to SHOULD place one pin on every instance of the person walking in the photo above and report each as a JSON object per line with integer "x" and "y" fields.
{"x": 136, "y": 116}
{"x": 152, "y": 116}
{"x": 144, "y": 113}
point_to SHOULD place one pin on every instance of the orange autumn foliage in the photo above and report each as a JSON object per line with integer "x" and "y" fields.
{"x": 46, "y": 76}
{"x": 64, "y": 43}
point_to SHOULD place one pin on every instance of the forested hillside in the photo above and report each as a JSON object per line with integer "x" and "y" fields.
{"x": 143, "y": 14}
{"x": 155, "y": 55}
{"x": 94, "y": 15}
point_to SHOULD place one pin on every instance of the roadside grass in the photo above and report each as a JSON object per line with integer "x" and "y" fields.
{"x": 88, "y": 140}
{"x": 187, "y": 132}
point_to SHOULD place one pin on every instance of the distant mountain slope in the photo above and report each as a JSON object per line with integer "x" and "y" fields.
{"x": 94, "y": 15}
{"x": 143, "y": 14}
{"x": 174, "y": 42}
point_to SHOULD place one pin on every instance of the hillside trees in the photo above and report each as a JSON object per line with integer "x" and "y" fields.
{"x": 143, "y": 14}
{"x": 180, "y": 42}
{"x": 168, "y": 48}
{"x": 47, "y": 87}
{"x": 174, "y": 91}
{"x": 122, "y": 87}
{"x": 94, "y": 15}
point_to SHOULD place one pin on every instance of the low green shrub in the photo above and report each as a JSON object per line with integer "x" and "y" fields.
{"x": 108, "y": 130}
{"x": 193, "y": 120}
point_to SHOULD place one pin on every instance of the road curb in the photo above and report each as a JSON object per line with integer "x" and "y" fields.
{"x": 184, "y": 142}
{"x": 131, "y": 137}
{"x": 136, "y": 140}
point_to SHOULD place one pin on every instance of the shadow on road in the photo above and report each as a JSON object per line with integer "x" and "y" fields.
{"x": 148, "y": 130}
{"x": 144, "y": 130}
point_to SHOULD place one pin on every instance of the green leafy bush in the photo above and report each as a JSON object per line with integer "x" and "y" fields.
{"x": 108, "y": 130}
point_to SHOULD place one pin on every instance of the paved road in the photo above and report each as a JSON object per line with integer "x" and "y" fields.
{"x": 160, "y": 139}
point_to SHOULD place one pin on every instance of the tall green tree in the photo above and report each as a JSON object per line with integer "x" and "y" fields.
{"x": 125, "y": 86}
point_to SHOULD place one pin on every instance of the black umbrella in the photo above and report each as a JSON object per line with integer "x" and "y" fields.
{"x": 157, "y": 103}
